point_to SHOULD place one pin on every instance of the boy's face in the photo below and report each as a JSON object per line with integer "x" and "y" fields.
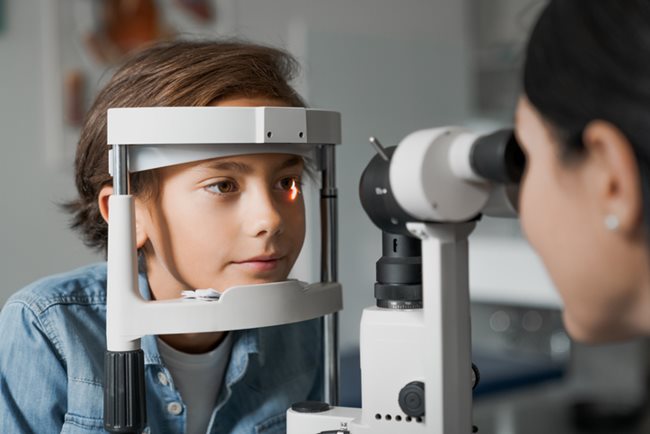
{"x": 223, "y": 222}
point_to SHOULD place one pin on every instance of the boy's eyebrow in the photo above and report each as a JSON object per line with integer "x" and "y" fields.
{"x": 237, "y": 166}
{"x": 290, "y": 162}
{"x": 229, "y": 166}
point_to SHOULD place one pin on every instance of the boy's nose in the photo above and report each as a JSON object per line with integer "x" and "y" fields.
{"x": 262, "y": 216}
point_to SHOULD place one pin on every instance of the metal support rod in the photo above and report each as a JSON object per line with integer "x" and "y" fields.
{"x": 447, "y": 326}
{"x": 125, "y": 409}
{"x": 329, "y": 271}
{"x": 120, "y": 170}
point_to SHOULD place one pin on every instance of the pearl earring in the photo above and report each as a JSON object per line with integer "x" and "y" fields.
{"x": 611, "y": 222}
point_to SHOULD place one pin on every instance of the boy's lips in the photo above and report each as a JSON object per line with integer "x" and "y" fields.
{"x": 261, "y": 258}
{"x": 261, "y": 262}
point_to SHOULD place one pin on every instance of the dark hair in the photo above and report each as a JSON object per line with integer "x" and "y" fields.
{"x": 588, "y": 60}
{"x": 177, "y": 73}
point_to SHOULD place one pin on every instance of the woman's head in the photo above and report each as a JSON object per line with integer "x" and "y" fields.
{"x": 584, "y": 122}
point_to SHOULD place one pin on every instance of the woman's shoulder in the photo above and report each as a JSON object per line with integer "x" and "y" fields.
{"x": 85, "y": 285}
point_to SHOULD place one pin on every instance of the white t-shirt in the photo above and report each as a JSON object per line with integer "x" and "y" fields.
{"x": 198, "y": 378}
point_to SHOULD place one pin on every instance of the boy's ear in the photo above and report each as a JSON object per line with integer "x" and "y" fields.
{"x": 141, "y": 236}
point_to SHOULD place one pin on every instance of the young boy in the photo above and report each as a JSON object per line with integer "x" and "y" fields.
{"x": 206, "y": 224}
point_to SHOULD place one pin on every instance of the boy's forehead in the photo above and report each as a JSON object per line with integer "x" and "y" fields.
{"x": 250, "y": 162}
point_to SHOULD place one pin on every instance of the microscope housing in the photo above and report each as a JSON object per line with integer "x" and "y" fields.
{"x": 426, "y": 196}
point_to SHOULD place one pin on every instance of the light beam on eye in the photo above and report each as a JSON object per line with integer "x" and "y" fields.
{"x": 293, "y": 190}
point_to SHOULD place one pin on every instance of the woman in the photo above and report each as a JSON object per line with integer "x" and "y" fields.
{"x": 584, "y": 124}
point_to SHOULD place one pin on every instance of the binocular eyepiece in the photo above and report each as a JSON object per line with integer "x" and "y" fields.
{"x": 455, "y": 175}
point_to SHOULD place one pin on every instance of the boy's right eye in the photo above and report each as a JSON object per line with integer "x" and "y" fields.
{"x": 222, "y": 187}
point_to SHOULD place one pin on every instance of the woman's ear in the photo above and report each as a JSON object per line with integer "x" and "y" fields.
{"x": 614, "y": 178}
{"x": 141, "y": 215}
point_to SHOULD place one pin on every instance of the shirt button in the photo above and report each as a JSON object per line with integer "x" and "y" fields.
{"x": 163, "y": 378}
{"x": 174, "y": 408}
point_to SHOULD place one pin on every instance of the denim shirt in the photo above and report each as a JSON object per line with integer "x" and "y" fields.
{"x": 52, "y": 344}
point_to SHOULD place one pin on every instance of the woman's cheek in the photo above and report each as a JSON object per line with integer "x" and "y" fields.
{"x": 525, "y": 213}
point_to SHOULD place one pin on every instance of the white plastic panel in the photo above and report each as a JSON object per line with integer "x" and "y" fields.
{"x": 145, "y": 157}
{"x": 281, "y": 125}
{"x": 227, "y": 125}
{"x": 425, "y": 185}
{"x": 240, "y": 307}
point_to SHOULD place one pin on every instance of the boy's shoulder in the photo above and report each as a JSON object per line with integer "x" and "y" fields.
{"x": 302, "y": 340}
{"x": 85, "y": 285}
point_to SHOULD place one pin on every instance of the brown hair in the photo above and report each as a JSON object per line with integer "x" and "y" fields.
{"x": 177, "y": 73}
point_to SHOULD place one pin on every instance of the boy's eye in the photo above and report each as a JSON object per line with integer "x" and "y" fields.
{"x": 292, "y": 185}
{"x": 223, "y": 187}
{"x": 289, "y": 182}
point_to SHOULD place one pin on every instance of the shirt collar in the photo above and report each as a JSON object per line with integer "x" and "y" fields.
{"x": 244, "y": 343}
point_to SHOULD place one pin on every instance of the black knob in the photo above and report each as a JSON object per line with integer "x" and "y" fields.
{"x": 399, "y": 273}
{"x": 377, "y": 197}
{"x": 125, "y": 409}
{"x": 476, "y": 376}
{"x": 310, "y": 407}
{"x": 411, "y": 399}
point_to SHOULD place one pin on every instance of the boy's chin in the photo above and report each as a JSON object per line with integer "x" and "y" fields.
{"x": 258, "y": 279}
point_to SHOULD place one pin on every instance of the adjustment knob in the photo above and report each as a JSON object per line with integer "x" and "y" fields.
{"x": 411, "y": 399}
{"x": 476, "y": 376}
{"x": 125, "y": 408}
{"x": 310, "y": 407}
